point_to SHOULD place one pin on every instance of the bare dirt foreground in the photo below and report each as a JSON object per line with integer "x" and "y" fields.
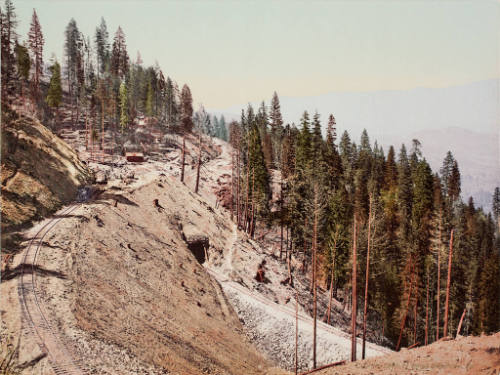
{"x": 467, "y": 355}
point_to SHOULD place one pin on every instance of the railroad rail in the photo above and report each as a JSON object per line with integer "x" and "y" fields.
{"x": 34, "y": 318}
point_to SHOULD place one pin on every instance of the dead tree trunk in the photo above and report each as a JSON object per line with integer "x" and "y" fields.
{"x": 415, "y": 322}
{"x": 247, "y": 189}
{"x": 367, "y": 276}
{"x": 460, "y": 323}
{"x": 198, "y": 166}
{"x": 354, "y": 294}
{"x": 232, "y": 185}
{"x": 183, "y": 156}
{"x": 329, "y": 311}
{"x": 238, "y": 208}
{"x": 252, "y": 217}
{"x": 314, "y": 249}
{"x": 427, "y": 311}
{"x": 102, "y": 125}
{"x": 305, "y": 249}
{"x": 448, "y": 282}
{"x": 281, "y": 218}
{"x": 296, "y": 331}
{"x": 438, "y": 287}
{"x": 86, "y": 130}
{"x": 403, "y": 322}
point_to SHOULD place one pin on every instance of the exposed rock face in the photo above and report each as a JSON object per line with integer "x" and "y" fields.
{"x": 39, "y": 171}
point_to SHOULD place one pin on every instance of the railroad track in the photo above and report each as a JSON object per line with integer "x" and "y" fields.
{"x": 34, "y": 318}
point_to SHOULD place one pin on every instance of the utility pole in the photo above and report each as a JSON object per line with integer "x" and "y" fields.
{"x": 183, "y": 156}
{"x": 448, "y": 282}
{"x": 199, "y": 165}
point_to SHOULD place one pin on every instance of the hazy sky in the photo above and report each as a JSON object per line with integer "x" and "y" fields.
{"x": 233, "y": 52}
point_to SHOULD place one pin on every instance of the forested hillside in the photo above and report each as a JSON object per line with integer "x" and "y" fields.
{"x": 431, "y": 256}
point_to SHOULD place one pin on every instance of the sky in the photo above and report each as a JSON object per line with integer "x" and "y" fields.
{"x": 234, "y": 52}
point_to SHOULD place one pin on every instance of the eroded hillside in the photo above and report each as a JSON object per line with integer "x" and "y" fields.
{"x": 39, "y": 171}
{"x": 121, "y": 286}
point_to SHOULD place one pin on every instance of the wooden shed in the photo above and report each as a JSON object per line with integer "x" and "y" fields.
{"x": 134, "y": 157}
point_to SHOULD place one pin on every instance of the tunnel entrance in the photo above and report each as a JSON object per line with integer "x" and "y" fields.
{"x": 197, "y": 242}
{"x": 199, "y": 250}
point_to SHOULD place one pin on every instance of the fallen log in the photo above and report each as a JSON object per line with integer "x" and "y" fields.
{"x": 414, "y": 345}
{"x": 324, "y": 367}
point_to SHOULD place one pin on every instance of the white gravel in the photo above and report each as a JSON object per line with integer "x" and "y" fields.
{"x": 271, "y": 327}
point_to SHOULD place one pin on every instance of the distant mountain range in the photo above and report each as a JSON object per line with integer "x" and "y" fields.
{"x": 464, "y": 119}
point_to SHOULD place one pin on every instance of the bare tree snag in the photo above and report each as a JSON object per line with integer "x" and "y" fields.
{"x": 251, "y": 230}
{"x": 329, "y": 311}
{"x": 296, "y": 331}
{"x": 247, "y": 189}
{"x": 367, "y": 277}
{"x": 183, "y": 156}
{"x": 305, "y": 249}
{"x": 102, "y": 124}
{"x": 427, "y": 311}
{"x": 238, "y": 207}
{"x": 198, "y": 166}
{"x": 232, "y": 185}
{"x": 448, "y": 282}
{"x": 460, "y": 323}
{"x": 438, "y": 287}
{"x": 415, "y": 321}
{"x": 86, "y": 130}
{"x": 281, "y": 217}
{"x": 403, "y": 321}
{"x": 354, "y": 294}
{"x": 314, "y": 250}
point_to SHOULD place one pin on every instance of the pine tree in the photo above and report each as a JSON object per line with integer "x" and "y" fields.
{"x": 23, "y": 63}
{"x": 8, "y": 19}
{"x": 275, "y": 116}
{"x": 404, "y": 193}
{"x": 171, "y": 103}
{"x": 186, "y": 110}
{"x": 54, "y": 95}
{"x": 223, "y": 128}
{"x": 303, "y": 154}
{"x": 149, "y": 100}
{"x": 316, "y": 139}
{"x": 119, "y": 55}
{"x": 391, "y": 170}
{"x": 495, "y": 207}
{"x": 124, "y": 116}
{"x": 102, "y": 46}
{"x": 36, "y": 41}
{"x": 331, "y": 132}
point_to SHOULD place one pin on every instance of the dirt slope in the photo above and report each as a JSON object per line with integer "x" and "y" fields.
{"x": 39, "y": 171}
{"x": 127, "y": 295}
{"x": 467, "y": 355}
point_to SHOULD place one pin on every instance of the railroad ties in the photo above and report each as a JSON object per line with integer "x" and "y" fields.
{"x": 34, "y": 318}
